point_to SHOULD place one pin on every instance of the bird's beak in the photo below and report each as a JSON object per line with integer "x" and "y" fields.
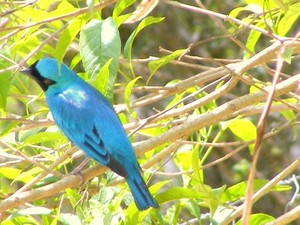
{"x": 26, "y": 71}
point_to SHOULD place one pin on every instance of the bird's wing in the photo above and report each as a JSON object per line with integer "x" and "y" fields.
{"x": 91, "y": 123}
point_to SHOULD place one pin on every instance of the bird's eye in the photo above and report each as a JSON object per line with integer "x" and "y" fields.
{"x": 49, "y": 82}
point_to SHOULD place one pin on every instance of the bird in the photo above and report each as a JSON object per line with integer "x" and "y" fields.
{"x": 90, "y": 122}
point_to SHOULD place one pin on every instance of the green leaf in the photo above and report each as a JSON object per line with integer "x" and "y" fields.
{"x": 99, "y": 42}
{"x": 128, "y": 91}
{"x": 144, "y": 23}
{"x": 153, "y": 131}
{"x": 221, "y": 214}
{"x": 75, "y": 61}
{"x": 214, "y": 198}
{"x": 157, "y": 186}
{"x": 176, "y": 214}
{"x": 29, "y": 175}
{"x": 9, "y": 128}
{"x": 36, "y": 210}
{"x": 121, "y": 6}
{"x": 68, "y": 218}
{"x": 251, "y": 42}
{"x": 289, "y": 19}
{"x": 254, "y": 8}
{"x": 64, "y": 7}
{"x": 73, "y": 196}
{"x": 43, "y": 137}
{"x": 290, "y": 115}
{"x": 35, "y": 15}
{"x": 15, "y": 218}
{"x": 280, "y": 3}
{"x": 46, "y": 180}
{"x": 5, "y": 82}
{"x": 255, "y": 88}
{"x": 45, "y": 5}
{"x": 67, "y": 37}
{"x": 287, "y": 55}
{"x": 155, "y": 65}
{"x": 235, "y": 12}
{"x": 243, "y": 129}
{"x": 10, "y": 173}
{"x": 102, "y": 79}
{"x": 178, "y": 193}
{"x": 262, "y": 4}
{"x": 196, "y": 164}
{"x": 237, "y": 191}
{"x": 194, "y": 209}
{"x": 23, "y": 46}
{"x": 258, "y": 219}
{"x": 183, "y": 158}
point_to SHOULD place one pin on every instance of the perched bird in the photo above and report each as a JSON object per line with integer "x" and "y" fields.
{"x": 90, "y": 122}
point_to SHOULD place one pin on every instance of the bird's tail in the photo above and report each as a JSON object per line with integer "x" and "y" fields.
{"x": 142, "y": 197}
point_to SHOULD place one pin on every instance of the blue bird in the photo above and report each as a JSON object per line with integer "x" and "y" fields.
{"x": 90, "y": 122}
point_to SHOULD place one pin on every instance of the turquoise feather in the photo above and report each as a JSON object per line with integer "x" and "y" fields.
{"x": 90, "y": 122}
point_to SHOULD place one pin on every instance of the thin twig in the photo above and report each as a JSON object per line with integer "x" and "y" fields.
{"x": 260, "y": 133}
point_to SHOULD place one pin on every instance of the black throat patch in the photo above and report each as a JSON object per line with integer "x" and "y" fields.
{"x": 43, "y": 82}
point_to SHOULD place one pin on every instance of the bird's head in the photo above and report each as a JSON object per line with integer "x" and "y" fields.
{"x": 48, "y": 71}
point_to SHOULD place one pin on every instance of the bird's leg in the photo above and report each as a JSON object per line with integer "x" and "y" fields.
{"x": 81, "y": 165}
{"x": 78, "y": 169}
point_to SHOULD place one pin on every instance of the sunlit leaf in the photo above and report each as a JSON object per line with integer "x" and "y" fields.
{"x": 193, "y": 208}
{"x": 67, "y": 37}
{"x": 121, "y": 6}
{"x": 258, "y": 219}
{"x": 255, "y": 88}
{"x": 62, "y": 8}
{"x": 36, "y": 210}
{"x": 254, "y": 8}
{"x": 5, "y": 82}
{"x": 238, "y": 190}
{"x": 43, "y": 137}
{"x": 196, "y": 163}
{"x": 290, "y": 115}
{"x": 128, "y": 45}
{"x": 68, "y": 218}
{"x": 220, "y": 214}
{"x": 74, "y": 196}
{"x": 270, "y": 4}
{"x": 178, "y": 193}
{"x": 153, "y": 131}
{"x": 287, "y": 55}
{"x": 289, "y": 19}
{"x": 243, "y": 129}
{"x": 10, "y": 173}
{"x": 100, "y": 42}
{"x": 27, "y": 176}
{"x": 101, "y": 80}
{"x": 183, "y": 158}
{"x": 156, "y": 64}
{"x": 128, "y": 91}
{"x": 251, "y": 43}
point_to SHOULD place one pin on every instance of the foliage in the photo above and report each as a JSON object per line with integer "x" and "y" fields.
{"x": 196, "y": 112}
